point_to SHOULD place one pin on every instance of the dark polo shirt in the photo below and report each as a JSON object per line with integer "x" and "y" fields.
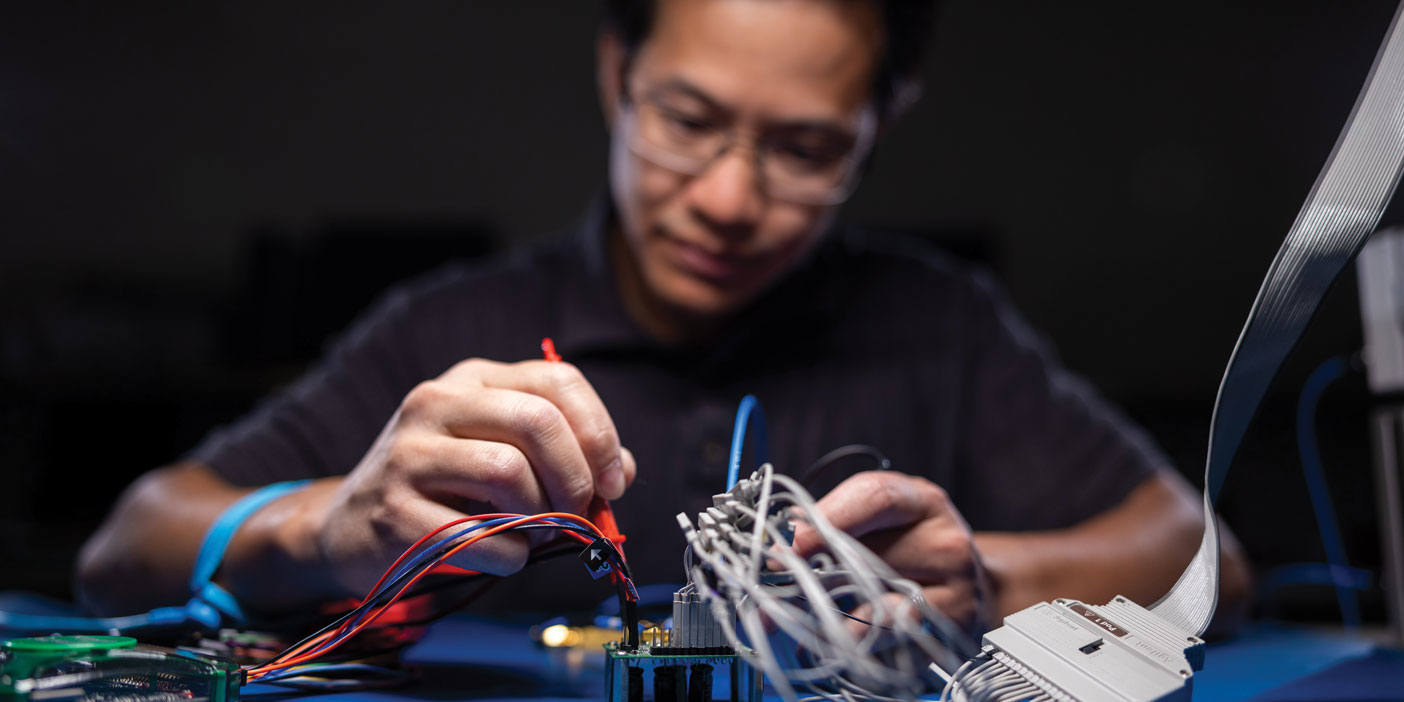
{"x": 873, "y": 341}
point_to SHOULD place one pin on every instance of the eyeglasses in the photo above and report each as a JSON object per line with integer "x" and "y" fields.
{"x": 807, "y": 166}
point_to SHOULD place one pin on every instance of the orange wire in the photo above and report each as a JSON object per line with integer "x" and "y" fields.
{"x": 599, "y": 509}
{"x": 456, "y": 522}
{"x": 296, "y": 656}
{"x": 313, "y": 643}
{"x": 298, "y": 659}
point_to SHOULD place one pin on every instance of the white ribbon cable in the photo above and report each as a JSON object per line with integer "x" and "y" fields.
{"x": 1343, "y": 208}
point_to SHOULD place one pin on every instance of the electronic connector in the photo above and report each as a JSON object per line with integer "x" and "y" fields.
{"x": 683, "y": 661}
{"x": 695, "y": 631}
{"x": 1066, "y": 650}
{"x": 107, "y": 668}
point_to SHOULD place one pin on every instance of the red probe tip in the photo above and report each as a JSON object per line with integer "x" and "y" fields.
{"x": 548, "y": 348}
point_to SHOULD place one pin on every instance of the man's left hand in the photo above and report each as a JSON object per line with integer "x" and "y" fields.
{"x": 911, "y": 524}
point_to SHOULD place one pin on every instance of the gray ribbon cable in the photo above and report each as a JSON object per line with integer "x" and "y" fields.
{"x": 1341, "y": 211}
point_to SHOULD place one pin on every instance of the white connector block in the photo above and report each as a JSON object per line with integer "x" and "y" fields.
{"x": 1117, "y": 652}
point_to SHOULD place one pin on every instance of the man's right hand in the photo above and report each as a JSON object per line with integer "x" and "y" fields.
{"x": 522, "y": 437}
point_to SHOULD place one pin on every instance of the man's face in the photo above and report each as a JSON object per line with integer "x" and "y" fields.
{"x": 784, "y": 85}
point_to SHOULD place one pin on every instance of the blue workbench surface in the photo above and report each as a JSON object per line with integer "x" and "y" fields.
{"x": 470, "y": 659}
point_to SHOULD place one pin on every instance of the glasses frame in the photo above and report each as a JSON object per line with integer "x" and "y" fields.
{"x": 732, "y": 136}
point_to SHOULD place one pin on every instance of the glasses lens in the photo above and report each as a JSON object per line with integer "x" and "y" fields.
{"x": 809, "y": 172}
{"x": 688, "y": 142}
{"x": 802, "y": 168}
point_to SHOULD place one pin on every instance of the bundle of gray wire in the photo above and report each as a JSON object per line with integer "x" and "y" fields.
{"x": 860, "y": 628}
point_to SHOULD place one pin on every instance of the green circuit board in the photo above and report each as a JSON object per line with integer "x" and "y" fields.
{"x": 111, "y": 669}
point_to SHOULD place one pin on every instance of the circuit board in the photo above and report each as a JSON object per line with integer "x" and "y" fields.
{"x": 111, "y": 669}
{"x": 680, "y": 674}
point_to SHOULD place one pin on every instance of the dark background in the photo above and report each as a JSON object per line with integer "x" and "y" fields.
{"x": 193, "y": 195}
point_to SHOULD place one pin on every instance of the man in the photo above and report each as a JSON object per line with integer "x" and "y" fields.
{"x": 737, "y": 126}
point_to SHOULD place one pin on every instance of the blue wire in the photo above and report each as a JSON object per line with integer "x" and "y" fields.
{"x": 317, "y": 669}
{"x": 414, "y": 564}
{"x": 749, "y": 410}
{"x": 407, "y": 567}
{"x": 430, "y": 552}
{"x": 1315, "y": 476}
{"x": 427, "y": 554}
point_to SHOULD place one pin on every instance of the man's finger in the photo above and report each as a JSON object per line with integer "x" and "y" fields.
{"x": 871, "y": 501}
{"x": 501, "y": 554}
{"x": 631, "y": 467}
{"x": 488, "y": 471}
{"x": 535, "y": 426}
{"x": 930, "y": 552}
{"x": 566, "y": 387}
{"x": 961, "y": 603}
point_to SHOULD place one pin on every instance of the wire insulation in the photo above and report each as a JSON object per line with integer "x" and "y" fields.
{"x": 749, "y": 413}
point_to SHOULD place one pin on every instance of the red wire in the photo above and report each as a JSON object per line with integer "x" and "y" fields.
{"x": 377, "y": 612}
{"x": 600, "y": 513}
{"x": 445, "y": 526}
{"x": 296, "y": 656}
{"x": 393, "y": 566}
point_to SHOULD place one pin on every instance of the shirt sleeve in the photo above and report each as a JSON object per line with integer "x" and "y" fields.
{"x": 1044, "y": 449}
{"x": 323, "y": 423}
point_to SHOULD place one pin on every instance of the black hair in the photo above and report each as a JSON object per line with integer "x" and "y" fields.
{"x": 906, "y": 26}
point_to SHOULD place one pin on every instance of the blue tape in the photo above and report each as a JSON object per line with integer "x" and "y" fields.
{"x": 208, "y": 607}
{"x": 217, "y": 541}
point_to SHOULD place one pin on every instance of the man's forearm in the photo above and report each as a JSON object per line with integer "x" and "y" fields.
{"x": 1136, "y": 549}
{"x": 143, "y": 554}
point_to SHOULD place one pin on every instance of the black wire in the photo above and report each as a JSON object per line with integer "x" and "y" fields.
{"x": 390, "y": 588}
{"x": 831, "y": 458}
{"x": 490, "y": 580}
{"x": 875, "y": 625}
{"x": 841, "y": 612}
{"x": 445, "y": 582}
{"x": 343, "y": 656}
{"x": 374, "y": 681}
{"x": 483, "y": 582}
